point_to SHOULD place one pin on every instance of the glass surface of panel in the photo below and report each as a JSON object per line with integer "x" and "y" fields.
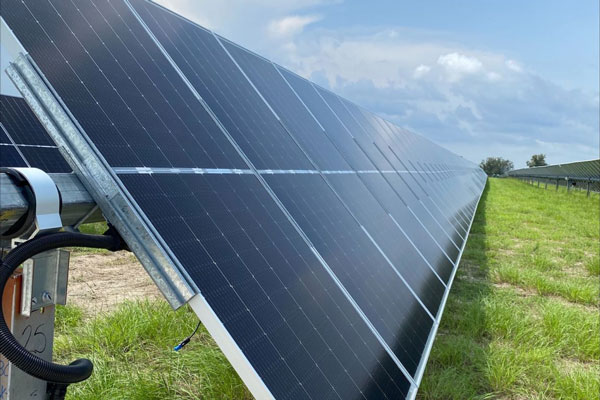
{"x": 10, "y": 157}
{"x": 219, "y": 82}
{"x": 118, "y": 85}
{"x": 282, "y": 308}
{"x": 48, "y": 159}
{"x": 18, "y": 119}
{"x": 298, "y": 120}
{"x": 33, "y": 147}
{"x": 356, "y": 261}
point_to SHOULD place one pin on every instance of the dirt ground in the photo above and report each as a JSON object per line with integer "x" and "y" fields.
{"x": 100, "y": 281}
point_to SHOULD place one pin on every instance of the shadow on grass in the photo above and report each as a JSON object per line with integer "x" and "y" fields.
{"x": 457, "y": 365}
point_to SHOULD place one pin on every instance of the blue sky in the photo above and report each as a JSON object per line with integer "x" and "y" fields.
{"x": 482, "y": 78}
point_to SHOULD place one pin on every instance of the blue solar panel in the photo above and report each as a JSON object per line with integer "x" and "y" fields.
{"x": 222, "y": 85}
{"x": 24, "y": 141}
{"x": 322, "y": 238}
{"x": 280, "y": 305}
{"x": 10, "y": 157}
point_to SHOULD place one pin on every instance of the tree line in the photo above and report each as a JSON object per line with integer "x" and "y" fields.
{"x": 498, "y": 166}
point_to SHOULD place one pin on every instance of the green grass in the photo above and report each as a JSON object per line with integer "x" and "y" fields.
{"x": 521, "y": 321}
{"x": 522, "y": 318}
{"x": 132, "y": 352}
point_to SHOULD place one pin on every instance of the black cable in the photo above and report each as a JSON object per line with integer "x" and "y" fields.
{"x": 29, "y": 363}
{"x": 185, "y": 341}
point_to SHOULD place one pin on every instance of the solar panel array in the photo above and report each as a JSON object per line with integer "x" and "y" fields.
{"x": 321, "y": 236}
{"x": 578, "y": 170}
{"x": 24, "y": 141}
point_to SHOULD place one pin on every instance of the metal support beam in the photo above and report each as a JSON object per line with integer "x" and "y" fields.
{"x": 588, "y": 188}
{"x": 76, "y": 201}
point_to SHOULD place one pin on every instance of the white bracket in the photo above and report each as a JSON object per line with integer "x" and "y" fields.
{"x": 46, "y": 197}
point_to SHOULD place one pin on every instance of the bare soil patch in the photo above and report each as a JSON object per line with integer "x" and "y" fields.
{"x": 98, "y": 282}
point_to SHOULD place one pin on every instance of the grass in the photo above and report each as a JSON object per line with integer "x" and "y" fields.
{"x": 132, "y": 352}
{"x": 521, "y": 321}
{"x": 522, "y": 318}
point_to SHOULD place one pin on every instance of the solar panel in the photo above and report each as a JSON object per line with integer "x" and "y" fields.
{"x": 320, "y": 240}
{"x": 24, "y": 141}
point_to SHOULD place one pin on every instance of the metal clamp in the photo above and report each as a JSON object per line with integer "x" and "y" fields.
{"x": 45, "y": 201}
{"x": 44, "y": 281}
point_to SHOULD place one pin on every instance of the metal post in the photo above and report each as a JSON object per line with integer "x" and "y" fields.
{"x": 557, "y": 185}
{"x": 538, "y": 183}
{"x": 588, "y": 188}
{"x": 30, "y": 295}
{"x": 545, "y": 183}
{"x": 29, "y": 300}
{"x": 568, "y": 185}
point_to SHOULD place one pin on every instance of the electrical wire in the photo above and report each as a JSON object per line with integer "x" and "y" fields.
{"x": 29, "y": 363}
{"x": 185, "y": 341}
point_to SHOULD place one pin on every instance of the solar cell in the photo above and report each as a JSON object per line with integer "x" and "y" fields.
{"x": 319, "y": 245}
{"x": 48, "y": 159}
{"x": 21, "y": 123}
{"x": 10, "y": 157}
{"x": 24, "y": 141}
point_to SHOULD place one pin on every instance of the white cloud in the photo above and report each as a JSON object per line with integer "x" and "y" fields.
{"x": 421, "y": 71}
{"x": 235, "y": 16}
{"x": 458, "y": 65}
{"x": 290, "y": 25}
{"x": 514, "y": 66}
{"x": 493, "y": 76}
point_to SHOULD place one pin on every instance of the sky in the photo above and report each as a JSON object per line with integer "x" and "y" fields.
{"x": 480, "y": 77}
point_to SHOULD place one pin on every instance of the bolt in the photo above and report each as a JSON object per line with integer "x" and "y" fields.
{"x": 34, "y": 300}
{"x": 46, "y": 297}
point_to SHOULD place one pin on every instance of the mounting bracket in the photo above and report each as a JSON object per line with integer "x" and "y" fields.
{"x": 44, "y": 202}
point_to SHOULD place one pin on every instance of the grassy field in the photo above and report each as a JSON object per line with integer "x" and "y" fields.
{"x": 522, "y": 318}
{"x": 521, "y": 321}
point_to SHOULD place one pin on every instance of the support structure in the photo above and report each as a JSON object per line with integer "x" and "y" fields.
{"x": 571, "y": 174}
{"x": 32, "y": 293}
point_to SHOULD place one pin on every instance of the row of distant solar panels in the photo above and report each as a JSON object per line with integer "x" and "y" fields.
{"x": 328, "y": 247}
{"x": 23, "y": 140}
{"x": 580, "y": 170}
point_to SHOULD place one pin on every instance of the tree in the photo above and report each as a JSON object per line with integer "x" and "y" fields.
{"x": 537, "y": 160}
{"x": 496, "y": 166}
